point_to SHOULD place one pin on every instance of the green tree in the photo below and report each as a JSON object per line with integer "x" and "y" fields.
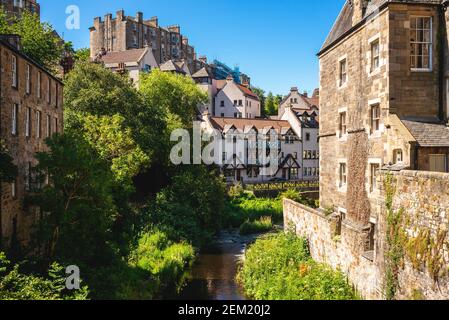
{"x": 93, "y": 89}
{"x": 261, "y": 94}
{"x": 270, "y": 107}
{"x": 114, "y": 143}
{"x": 82, "y": 55}
{"x": 77, "y": 202}
{"x": 39, "y": 40}
{"x": 191, "y": 208}
{"x": 8, "y": 171}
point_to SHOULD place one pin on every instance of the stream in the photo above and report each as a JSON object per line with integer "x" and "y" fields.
{"x": 213, "y": 275}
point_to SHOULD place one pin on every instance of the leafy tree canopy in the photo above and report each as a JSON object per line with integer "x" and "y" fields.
{"x": 39, "y": 40}
{"x": 78, "y": 200}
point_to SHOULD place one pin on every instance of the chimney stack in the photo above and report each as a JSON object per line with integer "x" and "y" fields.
{"x": 120, "y": 15}
{"x": 154, "y": 21}
{"x": 229, "y": 79}
{"x": 359, "y": 9}
{"x": 294, "y": 89}
{"x": 139, "y": 17}
{"x": 306, "y": 94}
{"x": 203, "y": 59}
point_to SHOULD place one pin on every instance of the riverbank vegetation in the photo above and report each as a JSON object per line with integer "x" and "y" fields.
{"x": 262, "y": 225}
{"x": 279, "y": 267}
{"x": 114, "y": 204}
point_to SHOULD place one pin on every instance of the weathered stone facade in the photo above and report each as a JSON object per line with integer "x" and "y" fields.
{"x": 124, "y": 32}
{"x": 382, "y": 106}
{"x": 47, "y": 104}
{"x": 422, "y": 200}
{"x": 14, "y": 8}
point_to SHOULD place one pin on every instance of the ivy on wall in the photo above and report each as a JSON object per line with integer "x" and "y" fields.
{"x": 395, "y": 239}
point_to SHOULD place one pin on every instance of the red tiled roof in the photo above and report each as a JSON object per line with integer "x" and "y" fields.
{"x": 247, "y": 92}
{"x": 132, "y": 55}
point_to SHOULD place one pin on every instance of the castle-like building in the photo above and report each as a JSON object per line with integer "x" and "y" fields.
{"x": 124, "y": 33}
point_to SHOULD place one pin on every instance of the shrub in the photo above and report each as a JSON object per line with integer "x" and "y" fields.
{"x": 280, "y": 268}
{"x": 165, "y": 261}
{"x": 250, "y": 208}
{"x": 298, "y": 197}
{"x": 264, "y": 224}
{"x": 15, "y": 285}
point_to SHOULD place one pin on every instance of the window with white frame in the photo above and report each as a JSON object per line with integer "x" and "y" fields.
{"x": 14, "y": 71}
{"x": 48, "y": 126}
{"x": 14, "y": 189}
{"x": 343, "y": 175}
{"x": 38, "y": 124}
{"x": 56, "y": 125}
{"x": 343, "y": 127}
{"x": 421, "y": 43}
{"x": 375, "y": 118}
{"x": 14, "y": 119}
{"x": 49, "y": 90}
{"x": 28, "y": 79}
{"x": 39, "y": 85}
{"x": 375, "y": 55}
{"x": 28, "y": 122}
{"x": 342, "y": 73}
{"x": 374, "y": 168}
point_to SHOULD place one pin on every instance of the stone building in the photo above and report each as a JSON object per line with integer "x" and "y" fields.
{"x": 14, "y": 8}
{"x": 124, "y": 32}
{"x": 384, "y": 111}
{"x": 31, "y": 110}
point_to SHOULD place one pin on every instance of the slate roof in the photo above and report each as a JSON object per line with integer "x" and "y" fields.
{"x": 172, "y": 65}
{"x": 202, "y": 73}
{"x": 133, "y": 55}
{"x": 343, "y": 24}
{"x": 429, "y": 132}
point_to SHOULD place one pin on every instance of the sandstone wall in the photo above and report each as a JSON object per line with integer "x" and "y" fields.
{"x": 423, "y": 200}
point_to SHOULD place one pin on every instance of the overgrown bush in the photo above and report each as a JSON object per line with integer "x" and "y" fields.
{"x": 191, "y": 208}
{"x": 250, "y": 208}
{"x": 264, "y": 224}
{"x": 298, "y": 197}
{"x": 280, "y": 268}
{"x": 165, "y": 261}
{"x": 15, "y": 285}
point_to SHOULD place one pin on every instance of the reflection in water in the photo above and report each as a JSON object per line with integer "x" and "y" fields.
{"x": 213, "y": 276}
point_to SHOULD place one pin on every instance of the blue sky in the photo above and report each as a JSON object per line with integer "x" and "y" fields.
{"x": 274, "y": 41}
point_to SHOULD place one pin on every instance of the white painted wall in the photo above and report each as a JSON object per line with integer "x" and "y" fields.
{"x": 249, "y": 108}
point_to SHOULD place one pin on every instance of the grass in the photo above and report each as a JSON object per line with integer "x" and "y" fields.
{"x": 264, "y": 224}
{"x": 279, "y": 267}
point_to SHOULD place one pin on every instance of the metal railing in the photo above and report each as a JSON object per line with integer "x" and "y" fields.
{"x": 283, "y": 185}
